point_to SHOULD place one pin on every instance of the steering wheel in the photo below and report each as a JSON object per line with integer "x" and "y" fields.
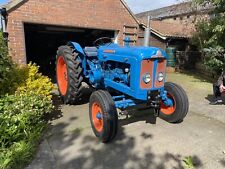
{"x": 102, "y": 41}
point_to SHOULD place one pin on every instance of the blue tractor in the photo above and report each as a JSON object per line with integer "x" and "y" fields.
{"x": 122, "y": 77}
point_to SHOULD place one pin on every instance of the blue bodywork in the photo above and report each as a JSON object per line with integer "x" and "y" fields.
{"x": 113, "y": 67}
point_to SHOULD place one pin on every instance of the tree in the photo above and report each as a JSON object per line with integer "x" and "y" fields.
{"x": 210, "y": 35}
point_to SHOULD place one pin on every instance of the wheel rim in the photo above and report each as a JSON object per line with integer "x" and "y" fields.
{"x": 62, "y": 76}
{"x": 97, "y": 117}
{"x": 169, "y": 110}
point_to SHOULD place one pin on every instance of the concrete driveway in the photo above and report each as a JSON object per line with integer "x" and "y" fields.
{"x": 142, "y": 141}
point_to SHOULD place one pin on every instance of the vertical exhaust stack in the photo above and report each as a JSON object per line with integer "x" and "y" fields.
{"x": 147, "y": 33}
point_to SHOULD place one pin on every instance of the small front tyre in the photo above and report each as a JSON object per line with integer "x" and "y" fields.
{"x": 103, "y": 115}
{"x": 177, "y": 112}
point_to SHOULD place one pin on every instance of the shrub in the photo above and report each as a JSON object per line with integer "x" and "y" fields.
{"x": 36, "y": 83}
{"x": 21, "y": 116}
{"x": 11, "y": 76}
{"x": 21, "y": 120}
{"x": 5, "y": 65}
{"x": 25, "y": 96}
{"x": 209, "y": 36}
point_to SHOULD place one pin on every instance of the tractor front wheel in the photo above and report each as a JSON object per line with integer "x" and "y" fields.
{"x": 103, "y": 115}
{"x": 69, "y": 74}
{"x": 177, "y": 112}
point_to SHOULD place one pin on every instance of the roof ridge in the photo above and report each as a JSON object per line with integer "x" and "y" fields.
{"x": 166, "y": 7}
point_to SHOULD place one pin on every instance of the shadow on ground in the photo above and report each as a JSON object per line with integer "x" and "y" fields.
{"x": 222, "y": 162}
{"x": 119, "y": 154}
{"x": 210, "y": 98}
{"x": 56, "y": 113}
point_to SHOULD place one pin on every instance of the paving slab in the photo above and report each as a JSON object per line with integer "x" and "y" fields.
{"x": 142, "y": 140}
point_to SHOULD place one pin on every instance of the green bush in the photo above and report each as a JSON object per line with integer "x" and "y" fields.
{"x": 34, "y": 83}
{"x": 25, "y": 96}
{"x": 11, "y": 76}
{"x": 21, "y": 121}
{"x": 21, "y": 116}
{"x": 209, "y": 36}
{"x": 25, "y": 99}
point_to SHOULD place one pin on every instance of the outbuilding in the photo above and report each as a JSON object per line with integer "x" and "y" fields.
{"x": 37, "y": 27}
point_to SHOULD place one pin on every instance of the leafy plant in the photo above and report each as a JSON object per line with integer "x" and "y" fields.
{"x": 188, "y": 161}
{"x": 21, "y": 115}
{"x": 11, "y": 75}
{"x": 21, "y": 120}
{"x": 209, "y": 36}
{"x": 36, "y": 83}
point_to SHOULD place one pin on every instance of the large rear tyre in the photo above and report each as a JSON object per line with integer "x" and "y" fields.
{"x": 69, "y": 74}
{"x": 177, "y": 112}
{"x": 103, "y": 115}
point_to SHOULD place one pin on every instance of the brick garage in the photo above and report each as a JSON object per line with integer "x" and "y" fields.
{"x": 61, "y": 20}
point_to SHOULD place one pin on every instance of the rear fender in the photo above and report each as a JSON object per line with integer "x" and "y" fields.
{"x": 82, "y": 55}
{"x": 77, "y": 47}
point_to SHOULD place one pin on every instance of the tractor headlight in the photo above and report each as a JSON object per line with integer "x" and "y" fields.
{"x": 147, "y": 78}
{"x": 160, "y": 77}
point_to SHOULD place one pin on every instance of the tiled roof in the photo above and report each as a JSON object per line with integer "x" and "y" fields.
{"x": 167, "y": 30}
{"x": 175, "y": 10}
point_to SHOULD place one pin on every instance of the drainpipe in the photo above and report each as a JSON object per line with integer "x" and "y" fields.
{"x": 3, "y": 15}
{"x": 147, "y": 33}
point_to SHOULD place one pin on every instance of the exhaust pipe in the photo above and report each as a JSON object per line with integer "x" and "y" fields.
{"x": 147, "y": 33}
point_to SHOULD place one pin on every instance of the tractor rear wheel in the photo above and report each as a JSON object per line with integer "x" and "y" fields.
{"x": 69, "y": 74}
{"x": 103, "y": 115}
{"x": 177, "y": 112}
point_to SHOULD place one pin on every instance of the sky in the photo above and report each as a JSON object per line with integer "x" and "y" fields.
{"x": 3, "y": 1}
{"x": 138, "y": 6}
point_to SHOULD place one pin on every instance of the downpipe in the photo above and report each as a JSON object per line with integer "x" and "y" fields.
{"x": 3, "y": 18}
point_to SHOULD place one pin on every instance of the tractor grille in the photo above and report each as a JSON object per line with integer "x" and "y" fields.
{"x": 161, "y": 67}
{"x": 147, "y": 66}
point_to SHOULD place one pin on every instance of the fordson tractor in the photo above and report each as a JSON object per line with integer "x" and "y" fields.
{"x": 123, "y": 77}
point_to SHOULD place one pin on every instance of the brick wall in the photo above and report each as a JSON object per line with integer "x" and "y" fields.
{"x": 99, "y": 14}
{"x": 153, "y": 41}
{"x": 186, "y": 19}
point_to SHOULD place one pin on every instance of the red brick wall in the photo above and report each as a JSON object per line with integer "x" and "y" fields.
{"x": 99, "y": 14}
{"x": 157, "y": 42}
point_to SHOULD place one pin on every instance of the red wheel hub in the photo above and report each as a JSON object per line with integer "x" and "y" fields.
{"x": 62, "y": 76}
{"x": 168, "y": 110}
{"x": 97, "y": 116}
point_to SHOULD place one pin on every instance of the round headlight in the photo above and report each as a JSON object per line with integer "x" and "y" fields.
{"x": 147, "y": 78}
{"x": 160, "y": 77}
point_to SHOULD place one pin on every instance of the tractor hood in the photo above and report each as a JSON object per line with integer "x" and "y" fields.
{"x": 141, "y": 52}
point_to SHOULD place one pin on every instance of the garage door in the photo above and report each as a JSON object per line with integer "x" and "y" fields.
{"x": 42, "y": 42}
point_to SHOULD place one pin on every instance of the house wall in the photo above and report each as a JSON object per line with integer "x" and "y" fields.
{"x": 157, "y": 42}
{"x": 153, "y": 41}
{"x": 186, "y": 19}
{"x": 104, "y": 14}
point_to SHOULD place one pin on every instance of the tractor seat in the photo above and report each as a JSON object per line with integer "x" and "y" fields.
{"x": 91, "y": 51}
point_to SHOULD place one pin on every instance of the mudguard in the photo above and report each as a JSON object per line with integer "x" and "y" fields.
{"x": 77, "y": 47}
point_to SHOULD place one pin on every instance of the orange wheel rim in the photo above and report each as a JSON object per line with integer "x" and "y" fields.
{"x": 168, "y": 110}
{"x": 97, "y": 117}
{"x": 62, "y": 76}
